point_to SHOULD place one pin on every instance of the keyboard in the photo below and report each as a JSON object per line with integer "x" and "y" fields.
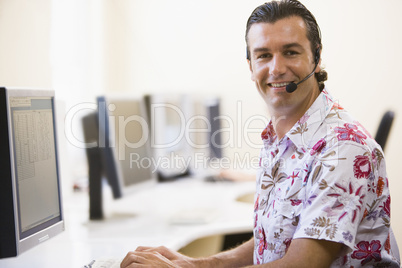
{"x": 216, "y": 178}
{"x": 104, "y": 263}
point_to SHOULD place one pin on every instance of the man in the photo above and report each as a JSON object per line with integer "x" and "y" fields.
{"x": 322, "y": 195}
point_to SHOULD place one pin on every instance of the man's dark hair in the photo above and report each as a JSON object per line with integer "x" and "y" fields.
{"x": 273, "y": 11}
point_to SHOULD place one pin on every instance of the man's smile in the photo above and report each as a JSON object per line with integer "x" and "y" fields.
{"x": 279, "y": 84}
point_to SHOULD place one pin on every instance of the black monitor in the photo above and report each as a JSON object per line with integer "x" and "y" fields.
{"x": 30, "y": 190}
{"x": 120, "y": 151}
{"x": 215, "y": 134}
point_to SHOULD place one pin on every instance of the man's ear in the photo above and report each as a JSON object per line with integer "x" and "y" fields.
{"x": 318, "y": 69}
{"x": 251, "y": 70}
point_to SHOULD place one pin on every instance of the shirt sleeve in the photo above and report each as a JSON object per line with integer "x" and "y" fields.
{"x": 346, "y": 182}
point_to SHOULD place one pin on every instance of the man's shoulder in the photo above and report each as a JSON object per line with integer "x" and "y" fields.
{"x": 340, "y": 126}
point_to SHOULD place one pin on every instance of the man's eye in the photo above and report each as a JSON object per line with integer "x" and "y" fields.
{"x": 291, "y": 53}
{"x": 263, "y": 56}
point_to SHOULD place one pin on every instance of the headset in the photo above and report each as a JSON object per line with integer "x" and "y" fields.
{"x": 293, "y": 86}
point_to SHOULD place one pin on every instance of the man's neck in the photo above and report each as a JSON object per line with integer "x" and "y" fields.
{"x": 283, "y": 120}
{"x": 283, "y": 123}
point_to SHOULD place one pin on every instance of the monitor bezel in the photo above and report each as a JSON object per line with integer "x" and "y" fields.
{"x": 30, "y": 238}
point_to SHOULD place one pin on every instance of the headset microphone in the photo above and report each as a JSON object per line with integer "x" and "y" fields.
{"x": 293, "y": 86}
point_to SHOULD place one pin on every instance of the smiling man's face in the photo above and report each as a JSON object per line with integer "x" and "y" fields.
{"x": 280, "y": 53}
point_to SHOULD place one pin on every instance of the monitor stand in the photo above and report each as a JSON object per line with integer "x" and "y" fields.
{"x": 95, "y": 183}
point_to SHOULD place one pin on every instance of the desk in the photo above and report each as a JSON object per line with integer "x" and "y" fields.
{"x": 143, "y": 218}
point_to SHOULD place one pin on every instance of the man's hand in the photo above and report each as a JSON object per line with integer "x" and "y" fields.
{"x": 164, "y": 257}
{"x": 156, "y": 257}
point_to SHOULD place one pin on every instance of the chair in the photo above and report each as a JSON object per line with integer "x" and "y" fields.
{"x": 384, "y": 128}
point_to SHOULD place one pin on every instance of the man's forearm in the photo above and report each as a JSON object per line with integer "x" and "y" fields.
{"x": 238, "y": 257}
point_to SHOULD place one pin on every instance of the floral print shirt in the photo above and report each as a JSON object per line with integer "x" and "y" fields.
{"x": 325, "y": 179}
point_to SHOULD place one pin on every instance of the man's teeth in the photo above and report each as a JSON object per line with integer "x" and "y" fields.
{"x": 279, "y": 84}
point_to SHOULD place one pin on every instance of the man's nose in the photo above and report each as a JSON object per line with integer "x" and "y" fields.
{"x": 277, "y": 66}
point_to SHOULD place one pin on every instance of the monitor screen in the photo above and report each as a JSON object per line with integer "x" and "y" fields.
{"x": 31, "y": 204}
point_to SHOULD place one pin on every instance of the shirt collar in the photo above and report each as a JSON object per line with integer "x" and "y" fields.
{"x": 302, "y": 132}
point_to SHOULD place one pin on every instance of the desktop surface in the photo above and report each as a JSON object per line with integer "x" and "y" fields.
{"x": 151, "y": 217}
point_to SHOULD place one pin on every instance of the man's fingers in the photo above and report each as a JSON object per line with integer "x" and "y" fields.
{"x": 147, "y": 257}
{"x": 144, "y": 249}
{"x": 133, "y": 257}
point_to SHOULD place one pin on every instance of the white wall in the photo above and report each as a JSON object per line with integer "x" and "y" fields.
{"x": 142, "y": 46}
{"x": 25, "y": 43}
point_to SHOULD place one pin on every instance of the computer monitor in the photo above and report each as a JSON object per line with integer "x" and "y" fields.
{"x": 30, "y": 191}
{"x": 168, "y": 115}
{"x": 215, "y": 134}
{"x": 185, "y": 133}
{"x": 121, "y": 151}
